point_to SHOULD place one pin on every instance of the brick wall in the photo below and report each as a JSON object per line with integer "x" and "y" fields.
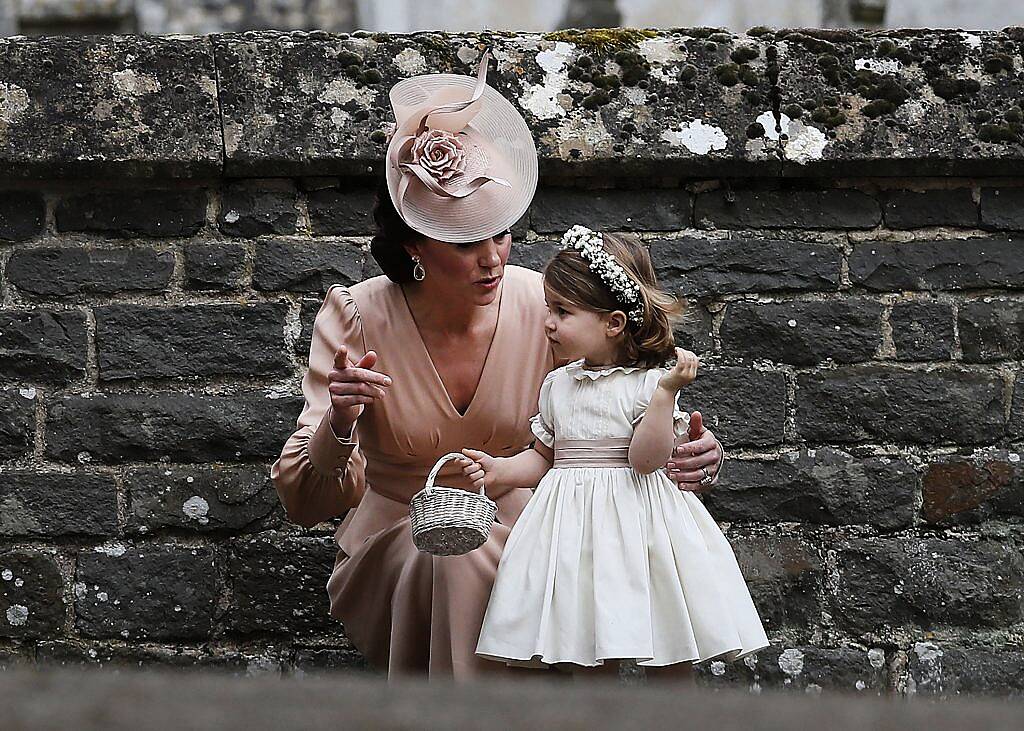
{"x": 861, "y": 326}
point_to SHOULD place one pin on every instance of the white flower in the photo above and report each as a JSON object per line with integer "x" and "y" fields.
{"x": 591, "y": 247}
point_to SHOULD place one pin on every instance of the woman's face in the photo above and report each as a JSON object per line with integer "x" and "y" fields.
{"x": 471, "y": 271}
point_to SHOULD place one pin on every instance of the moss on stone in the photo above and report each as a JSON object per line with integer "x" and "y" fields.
{"x": 949, "y": 88}
{"x": 999, "y": 133}
{"x": 829, "y": 117}
{"x": 743, "y": 54}
{"x": 793, "y": 111}
{"x": 998, "y": 62}
{"x": 728, "y": 74}
{"x": 602, "y": 41}
{"x": 597, "y": 99}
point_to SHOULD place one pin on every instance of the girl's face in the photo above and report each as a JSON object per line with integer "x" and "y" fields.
{"x": 471, "y": 271}
{"x": 577, "y": 333}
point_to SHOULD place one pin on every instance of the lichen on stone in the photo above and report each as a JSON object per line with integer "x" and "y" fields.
{"x": 602, "y": 41}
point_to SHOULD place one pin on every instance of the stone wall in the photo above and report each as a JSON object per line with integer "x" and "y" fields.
{"x": 842, "y": 212}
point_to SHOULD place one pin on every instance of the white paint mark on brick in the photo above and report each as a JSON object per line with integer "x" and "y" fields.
{"x": 878, "y": 65}
{"x": 112, "y": 549}
{"x": 343, "y": 90}
{"x": 196, "y": 508}
{"x": 860, "y": 685}
{"x": 468, "y": 55}
{"x": 29, "y": 393}
{"x": 133, "y": 83}
{"x": 7, "y": 574}
{"x": 791, "y": 323}
{"x": 876, "y": 657}
{"x": 791, "y": 661}
{"x": 718, "y": 667}
{"x": 697, "y": 137}
{"x": 17, "y": 615}
{"x": 410, "y": 62}
{"x": 102, "y": 596}
{"x": 971, "y": 41}
{"x": 542, "y": 99}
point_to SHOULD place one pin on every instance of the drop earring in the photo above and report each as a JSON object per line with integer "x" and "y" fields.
{"x": 418, "y": 272}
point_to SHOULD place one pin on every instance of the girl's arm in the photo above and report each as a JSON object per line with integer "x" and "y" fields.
{"x": 521, "y": 470}
{"x": 654, "y": 437}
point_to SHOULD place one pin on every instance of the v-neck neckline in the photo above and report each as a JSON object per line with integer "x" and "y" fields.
{"x": 499, "y": 319}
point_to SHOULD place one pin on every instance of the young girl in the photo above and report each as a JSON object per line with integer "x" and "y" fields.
{"x": 610, "y": 560}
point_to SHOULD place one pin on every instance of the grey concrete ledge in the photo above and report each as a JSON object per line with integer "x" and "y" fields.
{"x": 680, "y": 102}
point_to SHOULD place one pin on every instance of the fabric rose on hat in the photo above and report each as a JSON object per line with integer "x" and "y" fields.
{"x": 440, "y": 153}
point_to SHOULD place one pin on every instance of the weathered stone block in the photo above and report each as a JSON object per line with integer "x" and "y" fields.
{"x": 931, "y": 582}
{"x": 820, "y": 486}
{"x": 533, "y": 256}
{"x": 147, "y": 593}
{"x": 156, "y": 213}
{"x": 142, "y": 341}
{"x": 932, "y": 265}
{"x": 214, "y": 266}
{"x": 803, "y": 333}
{"x": 277, "y": 586}
{"x": 909, "y": 209}
{"x": 968, "y": 490}
{"x": 804, "y": 669}
{"x": 741, "y": 405}
{"x": 1002, "y": 208}
{"x": 31, "y": 594}
{"x": 42, "y": 346}
{"x": 786, "y": 209}
{"x": 306, "y": 267}
{"x": 784, "y": 576}
{"x": 202, "y": 498}
{"x": 17, "y": 422}
{"x": 21, "y": 215}
{"x": 555, "y": 210}
{"x": 991, "y": 330}
{"x": 60, "y": 272}
{"x": 937, "y": 669}
{"x": 341, "y": 212}
{"x": 701, "y": 268}
{"x": 318, "y": 659}
{"x": 251, "y": 208}
{"x": 57, "y": 504}
{"x": 883, "y": 403}
{"x": 922, "y": 330}
{"x": 115, "y": 658}
{"x": 168, "y": 426}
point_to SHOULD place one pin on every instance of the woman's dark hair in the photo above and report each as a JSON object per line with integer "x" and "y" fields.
{"x": 649, "y": 344}
{"x": 388, "y": 244}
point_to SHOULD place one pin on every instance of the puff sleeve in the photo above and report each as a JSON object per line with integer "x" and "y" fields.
{"x": 541, "y": 423}
{"x": 648, "y": 385}
{"x": 319, "y": 474}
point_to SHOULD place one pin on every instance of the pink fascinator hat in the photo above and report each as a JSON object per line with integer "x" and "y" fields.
{"x": 461, "y": 165}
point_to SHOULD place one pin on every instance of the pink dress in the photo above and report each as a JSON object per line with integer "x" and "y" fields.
{"x": 407, "y": 611}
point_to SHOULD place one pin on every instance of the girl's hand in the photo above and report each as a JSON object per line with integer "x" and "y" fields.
{"x": 352, "y": 387}
{"x": 683, "y": 373}
{"x": 480, "y": 468}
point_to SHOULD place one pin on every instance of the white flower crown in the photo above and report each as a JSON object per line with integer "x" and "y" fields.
{"x": 624, "y": 287}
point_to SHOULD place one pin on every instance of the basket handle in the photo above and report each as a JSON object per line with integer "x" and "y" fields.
{"x": 439, "y": 464}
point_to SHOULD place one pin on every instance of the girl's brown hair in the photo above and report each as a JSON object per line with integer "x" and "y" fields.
{"x": 648, "y": 344}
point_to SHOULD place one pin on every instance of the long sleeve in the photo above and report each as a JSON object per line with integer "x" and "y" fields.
{"x": 319, "y": 475}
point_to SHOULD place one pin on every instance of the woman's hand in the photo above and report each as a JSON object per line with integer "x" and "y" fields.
{"x": 695, "y": 463}
{"x": 683, "y": 373}
{"x": 481, "y": 468}
{"x": 353, "y": 386}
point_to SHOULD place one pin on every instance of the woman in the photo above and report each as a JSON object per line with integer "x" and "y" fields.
{"x": 444, "y": 352}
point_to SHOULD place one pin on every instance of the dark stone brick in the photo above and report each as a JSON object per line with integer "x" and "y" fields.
{"x": 533, "y": 256}
{"x": 991, "y": 330}
{"x": 17, "y": 423}
{"x": 319, "y": 659}
{"x": 251, "y": 208}
{"x": 927, "y": 583}
{"x": 31, "y": 594}
{"x": 702, "y": 268}
{"x": 784, "y": 576}
{"x": 277, "y": 586}
{"x": 42, "y": 346}
{"x": 883, "y": 403}
{"x": 169, "y": 426}
{"x": 740, "y": 405}
{"x": 695, "y": 331}
{"x": 130, "y": 213}
{"x": 141, "y": 341}
{"x": 57, "y": 504}
{"x": 214, "y": 266}
{"x": 308, "y": 308}
{"x": 969, "y": 490}
{"x": 306, "y": 267}
{"x": 803, "y": 333}
{"x": 114, "y": 658}
{"x": 922, "y": 330}
{"x": 147, "y": 593}
{"x": 803, "y": 669}
{"x": 201, "y": 498}
{"x": 931, "y": 265}
{"x": 1002, "y": 208}
{"x": 21, "y": 215}
{"x": 58, "y": 272}
{"x": 909, "y": 209}
{"x": 17, "y": 658}
{"x": 555, "y": 210}
{"x": 787, "y": 209}
{"x": 944, "y": 671}
{"x": 1016, "y": 425}
{"x": 821, "y": 486}
{"x": 341, "y": 212}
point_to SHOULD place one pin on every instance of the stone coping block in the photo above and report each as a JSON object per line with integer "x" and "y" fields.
{"x": 681, "y": 102}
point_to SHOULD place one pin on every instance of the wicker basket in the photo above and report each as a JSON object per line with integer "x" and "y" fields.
{"x": 448, "y": 521}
